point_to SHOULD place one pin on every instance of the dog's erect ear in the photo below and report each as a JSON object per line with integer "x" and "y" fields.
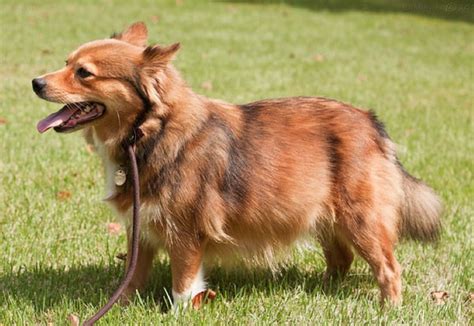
{"x": 160, "y": 55}
{"x": 136, "y": 34}
{"x": 153, "y": 68}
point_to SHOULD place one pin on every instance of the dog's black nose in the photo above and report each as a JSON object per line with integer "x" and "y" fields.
{"x": 38, "y": 85}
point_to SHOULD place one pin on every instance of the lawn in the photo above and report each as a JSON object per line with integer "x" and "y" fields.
{"x": 412, "y": 62}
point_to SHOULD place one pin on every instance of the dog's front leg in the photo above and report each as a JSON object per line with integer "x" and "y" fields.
{"x": 188, "y": 275}
{"x": 146, "y": 253}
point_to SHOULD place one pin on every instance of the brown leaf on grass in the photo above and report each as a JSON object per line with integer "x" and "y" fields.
{"x": 121, "y": 256}
{"x": 63, "y": 195}
{"x": 439, "y": 297}
{"x": 232, "y": 9}
{"x": 3, "y": 121}
{"x": 202, "y": 298}
{"x": 318, "y": 58}
{"x": 155, "y": 19}
{"x": 113, "y": 228}
{"x": 207, "y": 85}
{"x": 361, "y": 78}
{"x": 470, "y": 298}
{"x": 73, "y": 320}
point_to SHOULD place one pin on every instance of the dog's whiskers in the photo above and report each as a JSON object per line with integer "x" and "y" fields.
{"x": 119, "y": 120}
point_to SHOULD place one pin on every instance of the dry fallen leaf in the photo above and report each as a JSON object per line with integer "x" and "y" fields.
{"x": 232, "y": 9}
{"x": 113, "y": 228}
{"x": 73, "y": 320}
{"x": 207, "y": 85}
{"x": 202, "y": 298}
{"x": 63, "y": 195}
{"x": 361, "y": 77}
{"x": 121, "y": 256}
{"x": 3, "y": 121}
{"x": 439, "y": 297}
{"x": 470, "y": 298}
{"x": 318, "y": 58}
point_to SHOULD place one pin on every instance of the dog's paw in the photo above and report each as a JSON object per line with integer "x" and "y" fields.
{"x": 202, "y": 298}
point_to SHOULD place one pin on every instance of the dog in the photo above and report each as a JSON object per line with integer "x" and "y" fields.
{"x": 225, "y": 180}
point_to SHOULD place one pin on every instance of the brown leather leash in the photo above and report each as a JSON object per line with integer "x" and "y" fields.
{"x": 130, "y": 147}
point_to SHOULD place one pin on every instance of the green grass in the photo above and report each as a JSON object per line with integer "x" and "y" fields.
{"x": 412, "y": 63}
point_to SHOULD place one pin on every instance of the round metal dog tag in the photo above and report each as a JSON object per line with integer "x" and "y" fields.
{"x": 120, "y": 177}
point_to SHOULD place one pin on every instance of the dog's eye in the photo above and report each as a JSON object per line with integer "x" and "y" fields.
{"x": 83, "y": 73}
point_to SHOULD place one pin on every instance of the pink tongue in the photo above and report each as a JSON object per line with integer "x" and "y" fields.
{"x": 55, "y": 119}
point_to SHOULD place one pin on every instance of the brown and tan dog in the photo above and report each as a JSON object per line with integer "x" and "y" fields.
{"x": 219, "y": 179}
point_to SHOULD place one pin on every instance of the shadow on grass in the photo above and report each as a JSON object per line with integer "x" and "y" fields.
{"x": 461, "y": 10}
{"x": 45, "y": 288}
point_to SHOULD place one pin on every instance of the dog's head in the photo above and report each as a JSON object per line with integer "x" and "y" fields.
{"x": 105, "y": 82}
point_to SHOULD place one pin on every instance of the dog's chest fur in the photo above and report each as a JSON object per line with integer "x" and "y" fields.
{"x": 110, "y": 167}
{"x": 150, "y": 214}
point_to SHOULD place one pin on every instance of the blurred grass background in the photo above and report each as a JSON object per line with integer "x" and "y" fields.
{"x": 410, "y": 61}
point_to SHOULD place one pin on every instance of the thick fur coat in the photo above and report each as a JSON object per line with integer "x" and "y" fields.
{"x": 219, "y": 179}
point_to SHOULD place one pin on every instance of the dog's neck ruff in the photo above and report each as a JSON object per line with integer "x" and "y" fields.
{"x": 136, "y": 133}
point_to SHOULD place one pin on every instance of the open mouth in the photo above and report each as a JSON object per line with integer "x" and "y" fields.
{"x": 71, "y": 116}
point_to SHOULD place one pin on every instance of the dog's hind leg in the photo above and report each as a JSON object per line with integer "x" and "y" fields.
{"x": 338, "y": 254}
{"x": 374, "y": 242}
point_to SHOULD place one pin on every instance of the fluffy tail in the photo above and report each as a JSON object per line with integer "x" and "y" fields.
{"x": 421, "y": 210}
